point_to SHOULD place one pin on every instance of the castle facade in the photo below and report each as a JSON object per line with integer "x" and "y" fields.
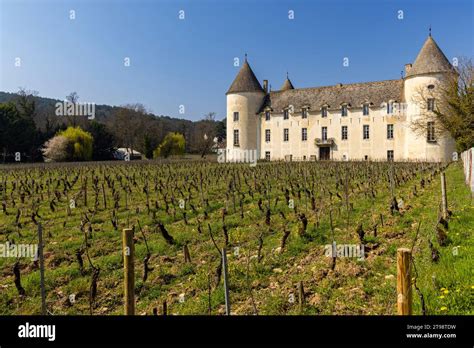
{"x": 359, "y": 121}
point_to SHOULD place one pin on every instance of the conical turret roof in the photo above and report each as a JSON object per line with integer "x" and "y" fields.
{"x": 287, "y": 85}
{"x": 245, "y": 81}
{"x": 430, "y": 60}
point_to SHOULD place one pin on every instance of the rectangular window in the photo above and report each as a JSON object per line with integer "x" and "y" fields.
{"x": 236, "y": 137}
{"x": 285, "y": 114}
{"x": 389, "y": 108}
{"x": 286, "y": 134}
{"x": 344, "y": 133}
{"x": 267, "y": 115}
{"x": 267, "y": 135}
{"x": 366, "y": 133}
{"x": 389, "y": 131}
{"x": 365, "y": 109}
{"x": 390, "y": 155}
{"x": 236, "y": 116}
{"x": 344, "y": 110}
{"x": 431, "y": 104}
{"x": 267, "y": 155}
{"x": 304, "y": 113}
{"x": 304, "y": 134}
{"x": 431, "y": 132}
{"x": 324, "y": 133}
{"x": 324, "y": 111}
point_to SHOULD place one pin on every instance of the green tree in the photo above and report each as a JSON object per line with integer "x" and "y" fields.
{"x": 17, "y": 132}
{"x": 148, "y": 147}
{"x": 103, "y": 145}
{"x": 81, "y": 143}
{"x": 221, "y": 129}
{"x": 172, "y": 145}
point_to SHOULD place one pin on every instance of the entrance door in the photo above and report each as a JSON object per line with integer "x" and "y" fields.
{"x": 324, "y": 153}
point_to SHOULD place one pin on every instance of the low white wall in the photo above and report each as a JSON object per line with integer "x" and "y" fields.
{"x": 467, "y": 160}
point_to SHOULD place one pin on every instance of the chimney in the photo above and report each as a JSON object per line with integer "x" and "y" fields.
{"x": 407, "y": 68}
{"x": 265, "y": 86}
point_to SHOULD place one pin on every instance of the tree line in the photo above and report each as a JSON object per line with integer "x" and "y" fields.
{"x": 28, "y": 121}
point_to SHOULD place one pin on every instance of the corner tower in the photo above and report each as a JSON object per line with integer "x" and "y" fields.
{"x": 244, "y": 99}
{"x": 422, "y": 90}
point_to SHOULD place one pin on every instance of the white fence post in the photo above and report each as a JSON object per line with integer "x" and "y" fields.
{"x": 467, "y": 161}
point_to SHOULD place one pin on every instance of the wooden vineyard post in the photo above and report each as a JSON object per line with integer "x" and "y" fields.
{"x": 85, "y": 192}
{"x": 226, "y": 281}
{"x": 301, "y": 295}
{"x": 129, "y": 271}
{"x": 68, "y": 206}
{"x": 404, "y": 295}
{"x": 444, "y": 198}
{"x": 187, "y": 256}
{"x": 41, "y": 264}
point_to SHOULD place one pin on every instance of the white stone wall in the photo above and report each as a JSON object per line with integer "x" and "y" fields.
{"x": 416, "y": 146}
{"x": 355, "y": 147}
{"x": 407, "y": 144}
{"x": 247, "y": 104}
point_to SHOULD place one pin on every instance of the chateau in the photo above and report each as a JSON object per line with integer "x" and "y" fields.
{"x": 359, "y": 121}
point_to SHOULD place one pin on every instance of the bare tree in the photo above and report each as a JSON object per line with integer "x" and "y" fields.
{"x": 207, "y": 131}
{"x": 129, "y": 125}
{"x": 73, "y": 97}
{"x": 26, "y": 102}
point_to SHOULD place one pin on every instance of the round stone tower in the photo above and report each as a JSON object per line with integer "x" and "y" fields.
{"x": 422, "y": 91}
{"x": 244, "y": 99}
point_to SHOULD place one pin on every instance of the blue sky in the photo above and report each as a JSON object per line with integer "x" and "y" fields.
{"x": 190, "y": 62}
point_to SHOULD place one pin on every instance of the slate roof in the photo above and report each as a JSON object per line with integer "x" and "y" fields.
{"x": 354, "y": 94}
{"x": 287, "y": 85}
{"x": 245, "y": 81}
{"x": 430, "y": 60}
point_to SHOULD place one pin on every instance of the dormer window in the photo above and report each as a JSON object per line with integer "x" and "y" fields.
{"x": 390, "y": 108}
{"x": 365, "y": 109}
{"x": 285, "y": 114}
{"x": 431, "y": 104}
{"x": 344, "y": 110}
{"x": 236, "y": 116}
{"x": 267, "y": 115}
{"x": 324, "y": 111}
{"x": 304, "y": 113}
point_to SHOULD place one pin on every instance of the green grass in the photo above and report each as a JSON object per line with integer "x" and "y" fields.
{"x": 365, "y": 287}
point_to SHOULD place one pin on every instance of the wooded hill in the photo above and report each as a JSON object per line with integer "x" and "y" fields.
{"x": 130, "y": 125}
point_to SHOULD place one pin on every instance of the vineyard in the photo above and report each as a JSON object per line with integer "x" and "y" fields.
{"x": 275, "y": 221}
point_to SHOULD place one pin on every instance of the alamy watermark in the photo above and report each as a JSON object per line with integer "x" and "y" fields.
{"x": 238, "y": 156}
{"x": 18, "y": 250}
{"x": 345, "y": 250}
{"x": 67, "y": 108}
{"x": 37, "y": 331}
